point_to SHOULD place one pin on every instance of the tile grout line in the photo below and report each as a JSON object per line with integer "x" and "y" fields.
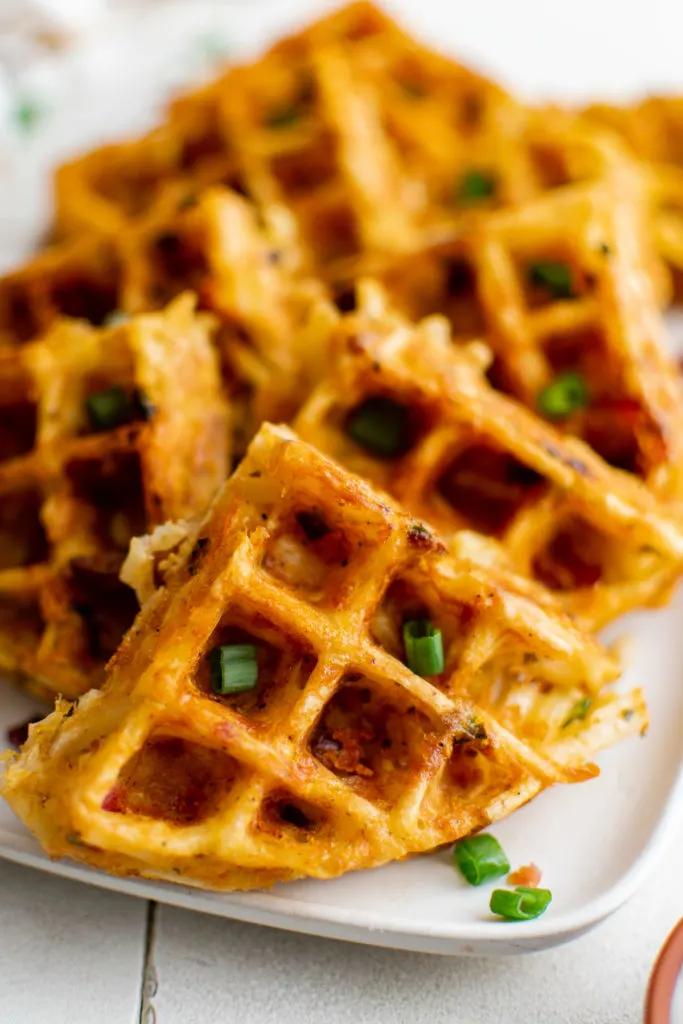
{"x": 149, "y": 982}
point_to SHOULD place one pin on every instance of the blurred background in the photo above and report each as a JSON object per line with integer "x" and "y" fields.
{"x": 74, "y": 73}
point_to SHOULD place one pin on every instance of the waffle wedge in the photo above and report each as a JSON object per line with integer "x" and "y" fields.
{"x": 375, "y": 144}
{"x": 104, "y": 434}
{"x": 102, "y": 192}
{"x": 273, "y": 320}
{"x": 80, "y": 279}
{"x": 340, "y": 758}
{"x": 563, "y": 284}
{"x": 307, "y": 127}
{"x": 207, "y": 140}
{"x": 463, "y": 456}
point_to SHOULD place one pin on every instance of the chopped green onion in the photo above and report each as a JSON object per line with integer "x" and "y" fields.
{"x": 474, "y": 187}
{"x": 109, "y": 408}
{"x": 233, "y": 668}
{"x": 284, "y": 117}
{"x": 480, "y": 858}
{"x": 27, "y": 114}
{"x": 578, "y": 712}
{"x": 554, "y": 277}
{"x": 116, "y": 317}
{"x": 381, "y": 426}
{"x": 563, "y": 396}
{"x": 522, "y": 904}
{"x": 423, "y": 647}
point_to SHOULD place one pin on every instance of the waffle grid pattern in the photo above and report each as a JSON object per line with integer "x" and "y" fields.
{"x": 74, "y": 495}
{"x": 342, "y": 758}
{"x": 475, "y": 460}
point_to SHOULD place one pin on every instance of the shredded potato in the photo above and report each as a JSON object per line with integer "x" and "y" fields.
{"x": 297, "y": 671}
{"x": 80, "y": 489}
{"x": 338, "y": 757}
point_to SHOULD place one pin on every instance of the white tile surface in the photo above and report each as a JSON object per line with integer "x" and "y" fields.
{"x": 68, "y": 954}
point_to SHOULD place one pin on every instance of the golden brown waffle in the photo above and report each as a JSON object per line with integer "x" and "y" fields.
{"x": 602, "y": 321}
{"x": 77, "y": 484}
{"x": 310, "y": 135}
{"x": 653, "y": 129}
{"x": 204, "y": 142}
{"x": 107, "y": 190}
{"x": 102, "y": 192}
{"x": 374, "y": 142}
{"x": 81, "y": 279}
{"x": 273, "y": 320}
{"x": 467, "y": 457}
{"x": 341, "y": 757}
{"x": 377, "y": 143}
{"x": 463, "y": 145}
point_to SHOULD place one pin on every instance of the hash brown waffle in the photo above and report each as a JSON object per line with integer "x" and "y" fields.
{"x": 104, "y": 434}
{"x": 653, "y": 130}
{"x": 468, "y": 457}
{"x": 375, "y": 143}
{"x": 599, "y": 319}
{"x": 272, "y": 318}
{"x": 81, "y": 280}
{"x": 341, "y": 757}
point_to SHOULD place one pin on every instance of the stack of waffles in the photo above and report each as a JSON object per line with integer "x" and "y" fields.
{"x": 320, "y": 646}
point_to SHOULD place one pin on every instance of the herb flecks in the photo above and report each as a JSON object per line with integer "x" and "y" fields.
{"x": 475, "y": 187}
{"x": 579, "y": 712}
{"x": 553, "y": 277}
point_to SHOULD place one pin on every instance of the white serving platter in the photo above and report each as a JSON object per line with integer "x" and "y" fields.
{"x": 595, "y": 842}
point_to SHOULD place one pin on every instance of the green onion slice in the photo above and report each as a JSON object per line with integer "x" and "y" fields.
{"x": 480, "y": 858}
{"x": 554, "y": 277}
{"x": 233, "y": 668}
{"x": 381, "y": 426}
{"x": 284, "y": 117}
{"x": 475, "y": 186}
{"x": 520, "y": 904}
{"x": 109, "y": 408}
{"x": 578, "y": 712}
{"x": 563, "y": 396}
{"x": 423, "y": 647}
